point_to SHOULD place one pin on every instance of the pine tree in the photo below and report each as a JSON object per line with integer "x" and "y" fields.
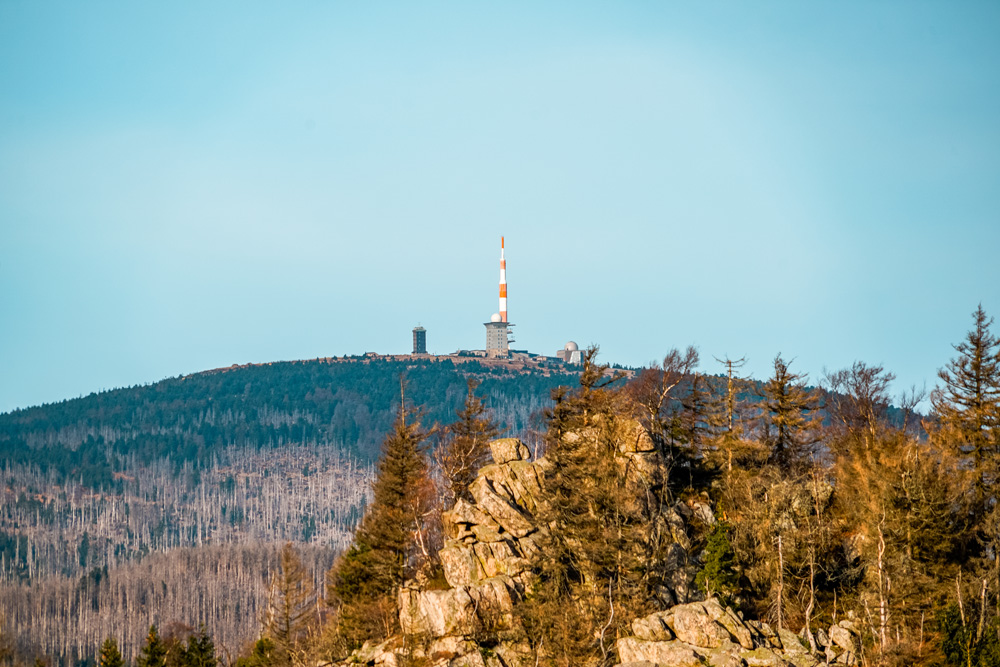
{"x": 465, "y": 447}
{"x": 968, "y": 404}
{"x": 787, "y": 428}
{"x": 154, "y": 652}
{"x": 200, "y": 650}
{"x": 110, "y": 655}
{"x": 363, "y": 582}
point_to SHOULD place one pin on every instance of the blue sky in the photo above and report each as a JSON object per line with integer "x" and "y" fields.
{"x": 185, "y": 186}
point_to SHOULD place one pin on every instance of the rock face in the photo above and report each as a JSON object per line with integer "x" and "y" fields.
{"x": 486, "y": 557}
{"x": 705, "y": 633}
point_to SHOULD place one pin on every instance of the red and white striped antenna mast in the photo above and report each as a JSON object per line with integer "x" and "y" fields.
{"x": 503, "y": 284}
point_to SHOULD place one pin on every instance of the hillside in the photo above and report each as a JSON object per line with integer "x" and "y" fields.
{"x": 346, "y": 402}
{"x": 240, "y": 458}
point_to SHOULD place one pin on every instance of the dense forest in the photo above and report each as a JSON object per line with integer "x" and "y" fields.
{"x": 347, "y": 402}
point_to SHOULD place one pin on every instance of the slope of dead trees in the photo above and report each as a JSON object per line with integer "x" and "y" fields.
{"x": 169, "y": 549}
{"x": 305, "y": 493}
{"x": 225, "y": 588}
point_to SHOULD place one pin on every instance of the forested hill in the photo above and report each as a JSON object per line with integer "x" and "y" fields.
{"x": 348, "y": 403}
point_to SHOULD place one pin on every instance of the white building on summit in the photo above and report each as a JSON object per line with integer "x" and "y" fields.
{"x": 571, "y": 353}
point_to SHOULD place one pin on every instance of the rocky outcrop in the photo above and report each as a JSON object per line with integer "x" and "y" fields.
{"x": 486, "y": 561}
{"x": 706, "y": 633}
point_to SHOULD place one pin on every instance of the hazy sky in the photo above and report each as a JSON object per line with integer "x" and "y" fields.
{"x": 185, "y": 186}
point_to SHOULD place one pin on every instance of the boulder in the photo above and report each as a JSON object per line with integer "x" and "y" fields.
{"x": 644, "y": 469}
{"x": 461, "y": 567}
{"x": 842, "y": 638}
{"x": 528, "y": 476}
{"x": 850, "y": 625}
{"x": 693, "y": 625}
{"x": 487, "y": 533}
{"x": 528, "y": 545}
{"x": 449, "y": 648}
{"x": 517, "y": 482}
{"x": 728, "y": 619}
{"x": 762, "y": 657}
{"x": 735, "y": 626}
{"x": 506, "y": 450}
{"x": 436, "y": 613}
{"x": 791, "y": 642}
{"x": 704, "y": 513}
{"x": 822, "y": 639}
{"x": 498, "y": 558}
{"x": 494, "y": 599}
{"x": 506, "y": 514}
{"x": 675, "y": 654}
{"x": 458, "y": 521}
{"x": 765, "y": 632}
{"x": 653, "y": 628}
{"x": 632, "y": 437}
{"x": 375, "y": 654}
{"x": 727, "y": 655}
{"x": 849, "y": 658}
{"x": 802, "y": 660}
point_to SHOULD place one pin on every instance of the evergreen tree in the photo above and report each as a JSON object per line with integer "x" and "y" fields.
{"x": 263, "y": 654}
{"x": 968, "y": 404}
{"x": 718, "y": 576}
{"x": 786, "y": 427}
{"x": 154, "y": 652}
{"x": 362, "y": 584}
{"x": 200, "y": 650}
{"x": 597, "y": 564}
{"x": 110, "y": 655}
{"x": 963, "y": 642}
{"x": 465, "y": 447}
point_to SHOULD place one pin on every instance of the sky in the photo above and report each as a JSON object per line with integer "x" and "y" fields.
{"x": 185, "y": 186}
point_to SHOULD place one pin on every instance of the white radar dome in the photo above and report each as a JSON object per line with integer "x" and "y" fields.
{"x": 495, "y": 317}
{"x": 572, "y": 347}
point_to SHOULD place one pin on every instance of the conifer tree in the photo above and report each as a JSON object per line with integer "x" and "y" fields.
{"x": 465, "y": 447}
{"x": 263, "y": 654}
{"x": 718, "y": 576}
{"x": 787, "y": 426}
{"x": 110, "y": 655}
{"x": 200, "y": 650}
{"x": 596, "y": 568}
{"x": 363, "y": 582}
{"x": 154, "y": 652}
{"x": 968, "y": 404}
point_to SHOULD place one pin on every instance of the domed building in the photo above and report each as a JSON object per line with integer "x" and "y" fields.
{"x": 571, "y": 353}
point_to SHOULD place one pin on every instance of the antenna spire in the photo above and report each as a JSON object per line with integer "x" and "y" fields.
{"x": 503, "y": 284}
